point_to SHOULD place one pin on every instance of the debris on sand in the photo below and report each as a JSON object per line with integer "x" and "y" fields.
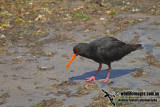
{"x": 49, "y": 103}
{"x": 120, "y": 89}
{"x": 45, "y": 68}
{"x": 157, "y": 45}
{"x": 3, "y": 97}
{"x": 17, "y": 59}
{"x": 139, "y": 72}
{"x": 99, "y": 101}
{"x": 85, "y": 89}
{"x": 151, "y": 60}
{"x": 82, "y": 90}
{"x": 65, "y": 84}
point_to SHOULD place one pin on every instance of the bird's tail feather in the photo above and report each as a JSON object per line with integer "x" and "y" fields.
{"x": 138, "y": 46}
{"x": 133, "y": 47}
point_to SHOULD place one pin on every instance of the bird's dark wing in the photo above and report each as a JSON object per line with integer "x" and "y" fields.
{"x": 106, "y": 49}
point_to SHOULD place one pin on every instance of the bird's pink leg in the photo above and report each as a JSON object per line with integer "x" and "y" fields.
{"x": 106, "y": 79}
{"x": 93, "y": 77}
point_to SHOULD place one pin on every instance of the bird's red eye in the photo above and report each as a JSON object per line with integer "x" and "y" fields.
{"x": 77, "y": 50}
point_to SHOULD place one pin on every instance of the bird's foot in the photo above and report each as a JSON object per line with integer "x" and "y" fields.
{"x": 91, "y": 78}
{"x": 104, "y": 80}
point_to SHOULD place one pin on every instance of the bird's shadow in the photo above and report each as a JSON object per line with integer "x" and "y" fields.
{"x": 103, "y": 74}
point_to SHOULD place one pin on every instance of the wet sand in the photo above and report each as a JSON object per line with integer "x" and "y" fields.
{"x": 26, "y": 79}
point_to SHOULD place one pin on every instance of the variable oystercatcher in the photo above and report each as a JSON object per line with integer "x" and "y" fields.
{"x": 104, "y": 51}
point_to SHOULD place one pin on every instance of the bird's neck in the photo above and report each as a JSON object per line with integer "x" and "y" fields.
{"x": 86, "y": 53}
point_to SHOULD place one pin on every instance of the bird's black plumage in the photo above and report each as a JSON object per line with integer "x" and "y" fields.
{"x": 105, "y": 50}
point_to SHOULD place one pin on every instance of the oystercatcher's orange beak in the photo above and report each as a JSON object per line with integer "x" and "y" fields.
{"x": 73, "y": 56}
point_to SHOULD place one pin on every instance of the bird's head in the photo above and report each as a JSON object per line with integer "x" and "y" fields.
{"x": 79, "y": 49}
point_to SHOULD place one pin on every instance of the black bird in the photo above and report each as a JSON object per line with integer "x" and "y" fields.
{"x": 104, "y": 51}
